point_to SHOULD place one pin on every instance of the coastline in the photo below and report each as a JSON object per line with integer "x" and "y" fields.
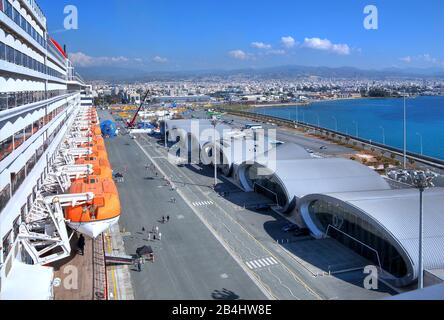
{"x": 308, "y": 103}
{"x": 301, "y": 104}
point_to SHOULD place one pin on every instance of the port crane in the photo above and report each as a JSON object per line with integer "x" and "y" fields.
{"x": 131, "y": 124}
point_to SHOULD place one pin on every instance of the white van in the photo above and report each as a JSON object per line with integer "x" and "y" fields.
{"x": 253, "y": 126}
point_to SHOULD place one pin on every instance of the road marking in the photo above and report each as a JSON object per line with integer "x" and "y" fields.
{"x": 202, "y": 203}
{"x": 265, "y": 289}
{"x": 261, "y": 263}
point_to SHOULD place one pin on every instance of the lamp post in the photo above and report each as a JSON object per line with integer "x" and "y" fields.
{"x": 319, "y": 120}
{"x": 357, "y": 128}
{"x": 405, "y": 131}
{"x": 383, "y": 134}
{"x": 421, "y": 180}
{"x": 336, "y": 123}
{"x": 297, "y": 114}
{"x": 420, "y": 139}
{"x": 165, "y": 132}
{"x": 214, "y": 123}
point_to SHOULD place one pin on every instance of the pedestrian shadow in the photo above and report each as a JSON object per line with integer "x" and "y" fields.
{"x": 224, "y": 294}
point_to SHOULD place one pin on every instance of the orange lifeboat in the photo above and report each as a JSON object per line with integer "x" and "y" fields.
{"x": 101, "y": 167}
{"x": 103, "y": 211}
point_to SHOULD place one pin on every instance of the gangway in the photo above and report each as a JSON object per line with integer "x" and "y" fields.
{"x": 119, "y": 259}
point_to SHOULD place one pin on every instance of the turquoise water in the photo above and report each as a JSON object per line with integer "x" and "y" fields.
{"x": 374, "y": 117}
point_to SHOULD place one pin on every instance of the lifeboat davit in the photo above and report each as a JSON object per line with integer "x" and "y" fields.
{"x": 101, "y": 167}
{"x": 93, "y": 218}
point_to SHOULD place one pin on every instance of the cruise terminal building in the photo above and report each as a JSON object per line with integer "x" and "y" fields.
{"x": 349, "y": 202}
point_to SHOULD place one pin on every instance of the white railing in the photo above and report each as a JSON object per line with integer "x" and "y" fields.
{"x": 32, "y": 4}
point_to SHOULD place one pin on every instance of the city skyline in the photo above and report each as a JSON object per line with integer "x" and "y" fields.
{"x": 175, "y": 36}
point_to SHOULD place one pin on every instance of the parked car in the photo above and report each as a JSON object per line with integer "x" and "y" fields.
{"x": 290, "y": 227}
{"x": 301, "y": 232}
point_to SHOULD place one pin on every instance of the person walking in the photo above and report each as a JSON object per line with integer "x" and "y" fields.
{"x": 139, "y": 264}
{"x": 163, "y": 219}
{"x": 157, "y": 230}
{"x": 160, "y": 236}
{"x": 81, "y": 244}
{"x": 168, "y": 218}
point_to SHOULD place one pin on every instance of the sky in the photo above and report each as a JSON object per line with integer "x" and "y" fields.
{"x": 229, "y": 34}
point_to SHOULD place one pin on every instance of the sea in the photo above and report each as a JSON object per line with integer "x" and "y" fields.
{"x": 378, "y": 120}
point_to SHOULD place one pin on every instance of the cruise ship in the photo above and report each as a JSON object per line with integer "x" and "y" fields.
{"x": 47, "y": 127}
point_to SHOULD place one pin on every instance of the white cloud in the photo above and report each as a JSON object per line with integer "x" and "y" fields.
{"x": 238, "y": 54}
{"x": 428, "y": 58}
{"x": 159, "y": 59}
{"x": 288, "y": 42}
{"x": 407, "y": 59}
{"x": 326, "y": 45}
{"x": 277, "y": 52}
{"x": 424, "y": 59}
{"x": 83, "y": 60}
{"x": 260, "y": 45}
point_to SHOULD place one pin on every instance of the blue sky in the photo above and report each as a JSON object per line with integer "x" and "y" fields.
{"x": 208, "y": 34}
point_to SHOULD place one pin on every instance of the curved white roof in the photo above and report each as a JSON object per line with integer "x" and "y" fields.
{"x": 306, "y": 176}
{"x": 396, "y": 213}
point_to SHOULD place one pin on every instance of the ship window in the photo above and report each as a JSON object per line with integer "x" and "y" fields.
{"x": 8, "y": 10}
{"x": 2, "y": 51}
{"x": 19, "y": 138}
{"x": 17, "y": 179}
{"x": 7, "y": 244}
{"x": 28, "y": 132}
{"x": 16, "y": 16}
{"x": 16, "y": 227}
{"x": 9, "y": 54}
{"x": 30, "y": 164}
{"x": 5, "y": 195}
{"x": 5, "y": 148}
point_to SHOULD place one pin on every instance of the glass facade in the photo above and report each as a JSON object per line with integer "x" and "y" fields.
{"x": 346, "y": 227}
{"x": 14, "y": 56}
{"x": 267, "y": 184}
{"x": 15, "y": 16}
{"x": 10, "y": 100}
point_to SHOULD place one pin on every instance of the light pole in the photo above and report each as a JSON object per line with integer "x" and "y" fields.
{"x": 214, "y": 123}
{"x": 421, "y": 180}
{"x": 357, "y": 128}
{"x": 383, "y": 134}
{"x": 319, "y": 120}
{"x": 405, "y": 132}
{"x": 297, "y": 114}
{"x": 420, "y": 139}
{"x": 165, "y": 132}
{"x": 336, "y": 123}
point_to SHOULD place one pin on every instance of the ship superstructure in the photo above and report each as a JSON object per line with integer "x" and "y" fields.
{"x": 49, "y": 139}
